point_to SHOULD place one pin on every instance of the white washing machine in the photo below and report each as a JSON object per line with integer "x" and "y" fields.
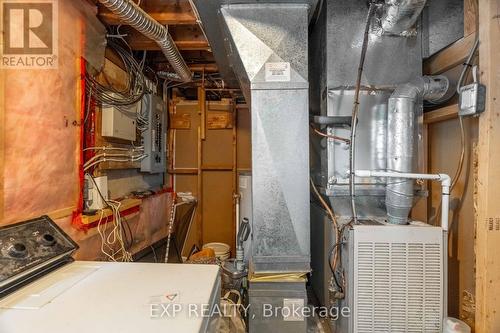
{"x": 43, "y": 290}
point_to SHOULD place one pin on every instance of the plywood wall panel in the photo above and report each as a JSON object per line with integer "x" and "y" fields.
{"x": 218, "y": 207}
{"x": 186, "y": 139}
{"x": 218, "y": 148}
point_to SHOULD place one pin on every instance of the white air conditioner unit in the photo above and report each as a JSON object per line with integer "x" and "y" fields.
{"x": 395, "y": 278}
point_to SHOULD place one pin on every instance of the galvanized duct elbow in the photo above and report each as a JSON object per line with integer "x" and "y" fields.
{"x": 404, "y": 105}
{"x": 401, "y": 15}
{"x": 133, "y": 15}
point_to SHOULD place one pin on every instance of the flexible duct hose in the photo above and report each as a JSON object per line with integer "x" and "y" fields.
{"x": 401, "y": 15}
{"x": 131, "y": 14}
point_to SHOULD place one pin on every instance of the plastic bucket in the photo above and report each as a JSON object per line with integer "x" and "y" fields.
{"x": 222, "y": 250}
{"x": 453, "y": 325}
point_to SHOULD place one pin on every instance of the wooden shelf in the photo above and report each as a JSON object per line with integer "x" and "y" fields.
{"x": 128, "y": 207}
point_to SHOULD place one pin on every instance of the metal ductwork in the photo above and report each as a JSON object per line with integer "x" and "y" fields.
{"x": 401, "y": 15}
{"x": 131, "y": 14}
{"x": 267, "y": 47}
{"x": 405, "y": 105}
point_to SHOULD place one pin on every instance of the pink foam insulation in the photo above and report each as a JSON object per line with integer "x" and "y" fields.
{"x": 40, "y": 140}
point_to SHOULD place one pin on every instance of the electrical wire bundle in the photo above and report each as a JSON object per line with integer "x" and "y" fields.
{"x": 142, "y": 123}
{"x": 110, "y": 241}
{"x": 113, "y": 245}
{"x": 109, "y": 95}
{"x": 116, "y": 154}
{"x": 334, "y": 256}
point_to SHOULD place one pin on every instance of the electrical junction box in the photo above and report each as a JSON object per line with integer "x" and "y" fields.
{"x": 472, "y": 99}
{"x": 154, "y": 137}
{"x": 92, "y": 197}
{"x": 119, "y": 124}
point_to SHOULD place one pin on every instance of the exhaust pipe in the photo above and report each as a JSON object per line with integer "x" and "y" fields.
{"x": 401, "y": 132}
{"x": 401, "y": 15}
{"x": 133, "y": 15}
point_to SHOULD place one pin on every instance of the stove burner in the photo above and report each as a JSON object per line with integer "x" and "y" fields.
{"x": 18, "y": 250}
{"x": 48, "y": 240}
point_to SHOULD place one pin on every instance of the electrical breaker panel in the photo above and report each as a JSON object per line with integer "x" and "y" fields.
{"x": 155, "y": 135}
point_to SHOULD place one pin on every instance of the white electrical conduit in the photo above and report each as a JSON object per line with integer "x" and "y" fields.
{"x": 134, "y": 159}
{"x": 106, "y": 148}
{"x": 441, "y": 177}
{"x": 98, "y": 156}
{"x": 130, "y": 13}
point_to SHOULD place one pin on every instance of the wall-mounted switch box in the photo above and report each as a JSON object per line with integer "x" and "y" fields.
{"x": 119, "y": 124}
{"x": 472, "y": 99}
{"x": 92, "y": 197}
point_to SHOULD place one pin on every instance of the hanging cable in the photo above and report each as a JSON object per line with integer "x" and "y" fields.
{"x": 109, "y": 241}
{"x": 335, "y": 251}
{"x": 134, "y": 89}
{"x": 466, "y": 66}
{"x": 355, "y": 109}
{"x": 329, "y": 136}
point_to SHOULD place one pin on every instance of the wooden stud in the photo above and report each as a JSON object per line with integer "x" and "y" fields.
{"x": 445, "y": 113}
{"x": 207, "y": 68}
{"x": 203, "y": 111}
{"x": 200, "y": 188}
{"x": 470, "y": 17}
{"x": 235, "y": 170}
{"x": 2, "y": 143}
{"x": 453, "y": 55}
{"x": 487, "y": 245}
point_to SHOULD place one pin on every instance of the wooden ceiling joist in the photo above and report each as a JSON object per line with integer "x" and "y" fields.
{"x": 165, "y": 12}
{"x": 145, "y": 44}
{"x": 187, "y": 38}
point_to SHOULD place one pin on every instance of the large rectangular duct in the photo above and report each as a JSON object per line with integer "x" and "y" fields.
{"x": 267, "y": 48}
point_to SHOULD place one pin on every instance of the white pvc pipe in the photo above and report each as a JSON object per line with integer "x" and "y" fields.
{"x": 441, "y": 177}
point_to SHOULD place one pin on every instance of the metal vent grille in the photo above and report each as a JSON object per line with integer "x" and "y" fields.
{"x": 398, "y": 286}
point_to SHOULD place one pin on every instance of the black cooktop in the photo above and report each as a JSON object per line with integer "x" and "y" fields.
{"x": 30, "y": 249}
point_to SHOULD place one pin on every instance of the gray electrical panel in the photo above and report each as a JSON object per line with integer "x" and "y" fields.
{"x": 155, "y": 135}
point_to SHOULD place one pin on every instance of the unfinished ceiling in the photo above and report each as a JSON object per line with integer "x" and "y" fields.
{"x": 183, "y": 26}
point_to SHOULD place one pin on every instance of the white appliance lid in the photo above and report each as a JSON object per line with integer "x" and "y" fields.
{"x": 114, "y": 297}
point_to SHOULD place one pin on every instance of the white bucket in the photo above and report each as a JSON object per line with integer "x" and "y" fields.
{"x": 222, "y": 250}
{"x": 453, "y": 325}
